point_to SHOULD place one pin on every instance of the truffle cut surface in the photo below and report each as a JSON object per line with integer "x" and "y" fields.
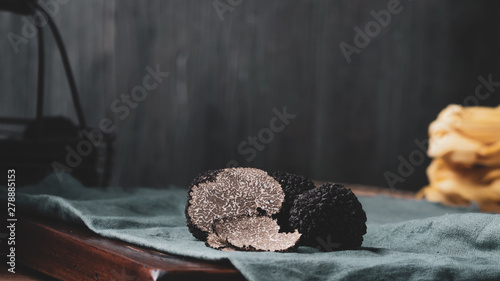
{"x": 231, "y": 192}
{"x": 214, "y": 241}
{"x": 255, "y": 233}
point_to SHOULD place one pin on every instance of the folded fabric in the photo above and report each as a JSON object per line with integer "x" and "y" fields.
{"x": 406, "y": 239}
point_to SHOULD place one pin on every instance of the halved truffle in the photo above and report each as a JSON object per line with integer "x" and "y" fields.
{"x": 206, "y": 176}
{"x": 330, "y": 217}
{"x": 293, "y": 185}
{"x": 253, "y": 233}
{"x": 214, "y": 241}
{"x": 230, "y": 192}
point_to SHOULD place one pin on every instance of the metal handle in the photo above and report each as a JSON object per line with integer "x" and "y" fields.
{"x": 31, "y": 7}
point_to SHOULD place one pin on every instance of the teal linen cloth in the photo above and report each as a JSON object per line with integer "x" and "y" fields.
{"x": 406, "y": 239}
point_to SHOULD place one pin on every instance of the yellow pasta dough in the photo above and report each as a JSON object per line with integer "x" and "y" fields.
{"x": 465, "y": 145}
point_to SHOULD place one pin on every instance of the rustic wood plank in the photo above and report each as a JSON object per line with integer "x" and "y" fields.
{"x": 23, "y": 273}
{"x": 70, "y": 252}
{"x": 364, "y": 190}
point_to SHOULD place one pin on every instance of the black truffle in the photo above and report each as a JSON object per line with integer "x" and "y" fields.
{"x": 203, "y": 177}
{"x": 330, "y": 217}
{"x": 293, "y": 185}
{"x": 230, "y": 192}
{"x": 251, "y": 233}
{"x": 207, "y": 176}
{"x": 216, "y": 242}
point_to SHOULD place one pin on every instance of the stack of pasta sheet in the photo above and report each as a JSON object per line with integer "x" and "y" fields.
{"x": 465, "y": 145}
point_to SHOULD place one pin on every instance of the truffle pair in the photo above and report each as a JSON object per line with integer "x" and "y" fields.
{"x": 249, "y": 209}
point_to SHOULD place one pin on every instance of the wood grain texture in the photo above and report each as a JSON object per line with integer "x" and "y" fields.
{"x": 23, "y": 274}
{"x": 353, "y": 120}
{"x": 69, "y": 252}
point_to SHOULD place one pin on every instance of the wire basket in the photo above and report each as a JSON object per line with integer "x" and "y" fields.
{"x": 53, "y": 144}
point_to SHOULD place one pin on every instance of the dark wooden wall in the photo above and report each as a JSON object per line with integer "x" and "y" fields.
{"x": 352, "y": 121}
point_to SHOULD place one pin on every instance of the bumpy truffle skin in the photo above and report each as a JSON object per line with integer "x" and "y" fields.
{"x": 230, "y": 192}
{"x": 207, "y": 176}
{"x": 293, "y": 185}
{"x": 203, "y": 177}
{"x": 330, "y": 217}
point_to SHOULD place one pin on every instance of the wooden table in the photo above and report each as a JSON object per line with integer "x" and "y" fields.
{"x": 70, "y": 252}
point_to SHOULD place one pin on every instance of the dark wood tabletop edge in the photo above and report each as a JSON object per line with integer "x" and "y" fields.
{"x": 82, "y": 234}
{"x": 368, "y": 190}
{"x": 143, "y": 261}
{"x": 364, "y": 190}
{"x": 23, "y": 273}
